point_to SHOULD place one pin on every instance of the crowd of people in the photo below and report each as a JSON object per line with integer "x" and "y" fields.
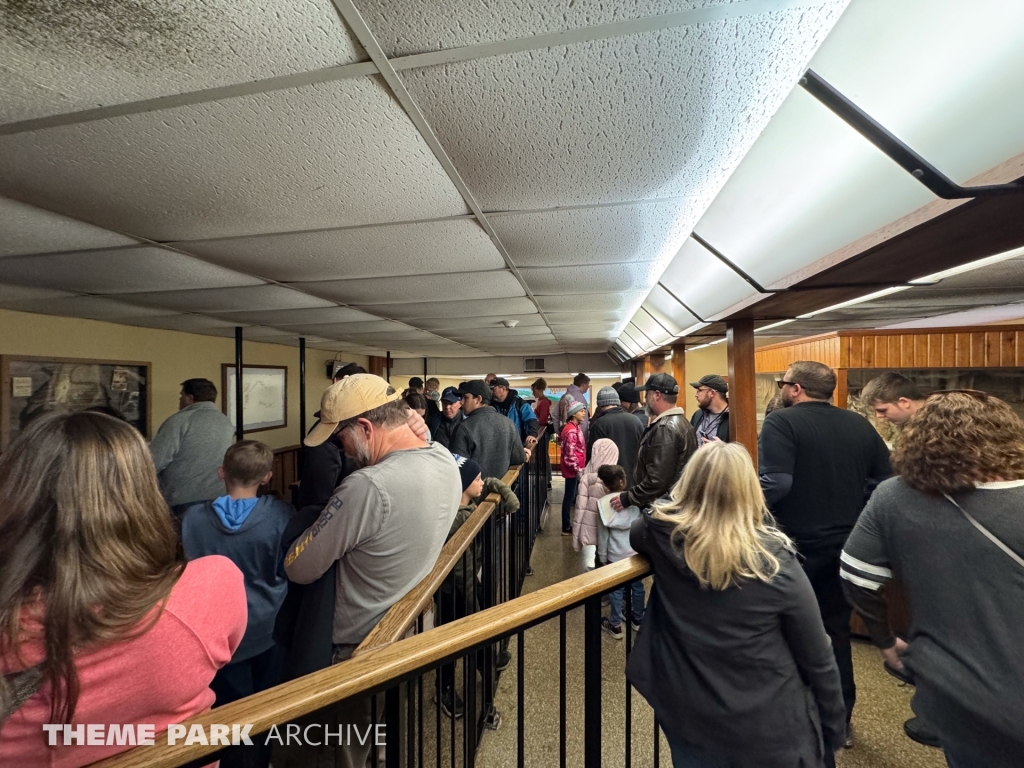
{"x": 146, "y": 583}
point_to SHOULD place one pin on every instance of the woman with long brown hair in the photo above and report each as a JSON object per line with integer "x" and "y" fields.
{"x": 951, "y": 526}
{"x": 100, "y": 622}
{"x": 732, "y": 654}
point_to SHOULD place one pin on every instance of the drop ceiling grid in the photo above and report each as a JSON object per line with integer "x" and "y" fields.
{"x": 151, "y": 48}
{"x": 306, "y": 158}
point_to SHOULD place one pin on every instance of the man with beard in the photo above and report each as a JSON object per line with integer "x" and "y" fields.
{"x": 712, "y": 417}
{"x": 665, "y": 445}
{"x": 385, "y": 525}
{"x": 818, "y": 465}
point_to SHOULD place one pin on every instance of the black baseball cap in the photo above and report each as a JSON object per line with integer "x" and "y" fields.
{"x": 498, "y": 381}
{"x": 450, "y": 395}
{"x": 659, "y": 382}
{"x": 712, "y": 381}
{"x": 476, "y": 387}
{"x": 628, "y": 393}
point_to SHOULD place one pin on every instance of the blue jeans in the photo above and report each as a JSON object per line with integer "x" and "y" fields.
{"x": 616, "y": 597}
{"x": 568, "y": 500}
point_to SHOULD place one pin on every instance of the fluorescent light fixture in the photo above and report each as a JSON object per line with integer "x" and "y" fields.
{"x": 775, "y": 325}
{"x": 851, "y": 302}
{"x": 709, "y": 344}
{"x": 969, "y": 267}
{"x": 694, "y": 328}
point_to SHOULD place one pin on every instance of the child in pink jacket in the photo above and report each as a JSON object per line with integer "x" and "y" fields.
{"x": 574, "y": 456}
{"x": 589, "y": 491}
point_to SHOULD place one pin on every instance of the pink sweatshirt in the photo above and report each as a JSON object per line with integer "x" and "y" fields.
{"x": 159, "y": 678}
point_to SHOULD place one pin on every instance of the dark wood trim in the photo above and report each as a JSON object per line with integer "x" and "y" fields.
{"x": 225, "y": 367}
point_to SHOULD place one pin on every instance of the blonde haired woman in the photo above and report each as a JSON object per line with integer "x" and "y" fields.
{"x": 100, "y": 623}
{"x": 732, "y": 655}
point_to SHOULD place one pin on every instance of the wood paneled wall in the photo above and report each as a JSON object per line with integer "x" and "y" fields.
{"x": 775, "y": 358}
{"x": 286, "y": 472}
{"x": 977, "y": 347}
{"x": 956, "y": 348}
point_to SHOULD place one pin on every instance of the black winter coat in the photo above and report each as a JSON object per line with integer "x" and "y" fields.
{"x": 665, "y": 447}
{"x": 747, "y": 671}
{"x": 624, "y": 430}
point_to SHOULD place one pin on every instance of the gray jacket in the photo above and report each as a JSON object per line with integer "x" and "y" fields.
{"x": 489, "y": 439}
{"x": 188, "y": 449}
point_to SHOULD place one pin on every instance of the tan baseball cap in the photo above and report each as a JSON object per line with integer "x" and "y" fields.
{"x": 349, "y": 397}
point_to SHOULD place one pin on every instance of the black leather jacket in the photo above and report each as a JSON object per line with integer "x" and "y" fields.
{"x": 665, "y": 447}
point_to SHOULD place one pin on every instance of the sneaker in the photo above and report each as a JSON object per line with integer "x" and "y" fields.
{"x": 502, "y": 660}
{"x": 615, "y": 630}
{"x": 918, "y": 730}
{"x": 635, "y": 623}
{"x": 605, "y": 601}
{"x": 848, "y": 741}
{"x": 567, "y": 531}
{"x": 451, "y": 703}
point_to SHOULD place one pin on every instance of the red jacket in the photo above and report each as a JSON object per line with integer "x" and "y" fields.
{"x": 574, "y": 450}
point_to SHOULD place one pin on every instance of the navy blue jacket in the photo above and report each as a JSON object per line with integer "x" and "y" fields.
{"x": 256, "y": 548}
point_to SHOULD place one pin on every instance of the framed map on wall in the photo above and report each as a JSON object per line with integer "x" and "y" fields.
{"x": 32, "y": 386}
{"x": 264, "y": 396}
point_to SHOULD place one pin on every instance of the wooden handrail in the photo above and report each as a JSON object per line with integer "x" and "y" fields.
{"x": 374, "y": 669}
{"x": 396, "y": 622}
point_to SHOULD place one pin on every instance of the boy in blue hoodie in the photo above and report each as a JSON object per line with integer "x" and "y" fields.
{"x": 246, "y": 529}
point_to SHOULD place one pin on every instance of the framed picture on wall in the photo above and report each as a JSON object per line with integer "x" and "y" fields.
{"x": 32, "y": 386}
{"x": 264, "y": 396}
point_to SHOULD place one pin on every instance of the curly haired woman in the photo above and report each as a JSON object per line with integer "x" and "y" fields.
{"x": 951, "y": 527}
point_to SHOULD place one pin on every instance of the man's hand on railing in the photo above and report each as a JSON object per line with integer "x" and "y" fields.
{"x": 528, "y": 452}
{"x": 530, "y": 442}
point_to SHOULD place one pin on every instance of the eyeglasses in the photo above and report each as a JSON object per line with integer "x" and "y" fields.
{"x": 780, "y": 383}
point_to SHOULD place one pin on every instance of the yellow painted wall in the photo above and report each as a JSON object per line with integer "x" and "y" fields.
{"x": 699, "y": 363}
{"x": 174, "y": 356}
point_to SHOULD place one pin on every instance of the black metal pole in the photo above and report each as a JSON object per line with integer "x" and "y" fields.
{"x": 424, "y": 371}
{"x": 302, "y": 388}
{"x": 387, "y": 366}
{"x": 239, "y": 416}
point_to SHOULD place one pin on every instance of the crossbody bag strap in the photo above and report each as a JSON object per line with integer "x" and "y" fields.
{"x": 988, "y": 534}
{"x": 21, "y": 686}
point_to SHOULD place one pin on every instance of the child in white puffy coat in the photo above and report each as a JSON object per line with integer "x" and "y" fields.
{"x": 590, "y": 490}
{"x": 613, "y": 545}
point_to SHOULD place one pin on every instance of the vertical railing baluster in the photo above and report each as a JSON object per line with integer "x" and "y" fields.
{"x": 628, "y": 612}
{"x": 657, "y": 745}
{"x": 393, "y": 727}
{"x": 561, "y": 690}
{"x": 521, "y": 696}
{"x": 592, "y": 682}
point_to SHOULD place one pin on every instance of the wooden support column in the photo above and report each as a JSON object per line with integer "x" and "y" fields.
{"x": 679, "y": 365}
{"x": 742, "y": 391}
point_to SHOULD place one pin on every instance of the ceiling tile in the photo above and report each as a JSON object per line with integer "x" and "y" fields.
{"x": 187, "y": 323}
{"x": 342, "y": 254}
{"x": 148, "y": 48}
{"x": 489, "y": 321}
{"x": 345, "y": 329}
{"x": 128, "y": 270}
{"x": 461, "y": 308}
{"x": 560, "y": 328}
{"x": 655, "y": 114}
{"x": 419, "y": 288}
{"x": 288, "y": 317}
{"x": 635, "y": 276}
{"x": 623, "y": 233}
{"x": 588, "y": 302}
{"x": 430, "y": 27}
{"x": 325, "y": 155}
{"x": 588, "y": 316}
{"x": 269, "y": 297}
{"x": 91, "y": 307}
{"x": 15, "y": 293}
{"x": 28, "y": 229}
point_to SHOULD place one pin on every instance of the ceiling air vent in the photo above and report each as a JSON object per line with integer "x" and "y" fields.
{"x": 533, "y": 365}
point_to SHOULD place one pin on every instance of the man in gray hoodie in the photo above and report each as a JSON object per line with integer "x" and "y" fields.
{"x": 189, "y": 446}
